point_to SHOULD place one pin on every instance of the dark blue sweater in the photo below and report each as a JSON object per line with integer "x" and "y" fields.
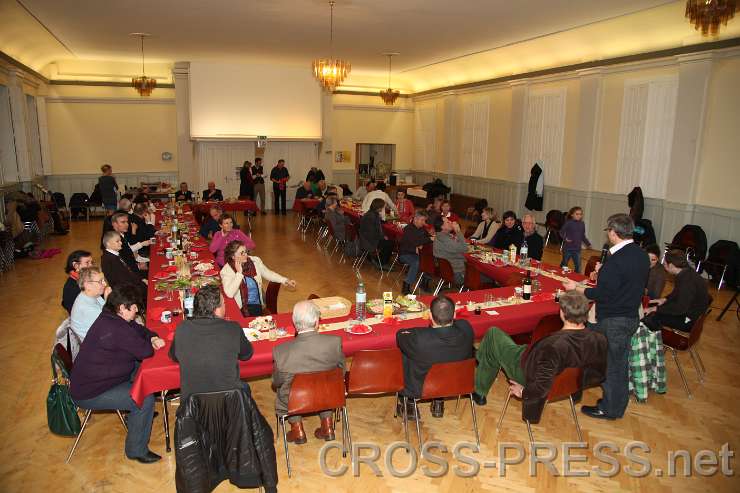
{"x": 621, "y": 283}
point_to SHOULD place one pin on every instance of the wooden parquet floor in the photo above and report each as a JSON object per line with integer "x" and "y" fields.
{"x": 32, "y": 460}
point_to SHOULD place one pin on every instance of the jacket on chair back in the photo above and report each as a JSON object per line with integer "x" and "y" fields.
{"x": 223, "y": 435}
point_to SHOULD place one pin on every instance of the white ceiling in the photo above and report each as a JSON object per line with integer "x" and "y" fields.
{"x": 295, "y": 31}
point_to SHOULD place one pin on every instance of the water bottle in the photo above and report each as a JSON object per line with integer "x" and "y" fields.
{"x": 187, "y": 303}
{"x": 360, "y": 299}
{"x": 523, "y": 252}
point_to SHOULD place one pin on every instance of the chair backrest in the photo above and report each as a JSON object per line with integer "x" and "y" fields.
{"x": 566, "y": 383}
{"x": 426, "y": 260}
{"x": 698, "y": 326}
{"x": 591, "y": 264}
{"x": 271, "y": 296}
{"x": 376, "y": 371}
{"x": 449, "y": 379}
{"x": 350, "y": 231}
{"x": 546, "y": 326}
{"x": 62, "y": 358}
{"x": 514, "y": 280}
{"x": 59, "y": 199}
{"x": 554, "y": 219}
{"x": 445, "y": 270}
{"x": 316, "y": 391}
{"x": 692, "y": 236}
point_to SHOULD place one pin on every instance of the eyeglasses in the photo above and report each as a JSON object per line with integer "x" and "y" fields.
{"x": 101, "y": 281}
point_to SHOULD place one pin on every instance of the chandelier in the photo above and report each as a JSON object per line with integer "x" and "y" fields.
{"x": 709, "y": 14}
{"x": 389, "y": 96}
{"x": 330, "y": 72}
{"x": 144, "y": 85}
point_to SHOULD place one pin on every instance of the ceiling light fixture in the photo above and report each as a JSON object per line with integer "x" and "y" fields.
{"x": 144, "y": 85}
{"x": 389, "y": 96}
{"x": 331, "y": 72}
{"x": 709, "y": 14}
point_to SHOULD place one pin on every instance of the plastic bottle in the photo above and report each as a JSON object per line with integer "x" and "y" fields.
{"x": 523, "y": 251}
{"x": 360, "y": 299}
{"x": 187, "y": 303}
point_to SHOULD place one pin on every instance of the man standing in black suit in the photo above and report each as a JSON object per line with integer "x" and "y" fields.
{"x": 212, "y": 193}
{"x": 259, "y": 183}
{"x": 279, "y": 177}
{"x": 618, "y": 296}
{"x": 446, "y": 340}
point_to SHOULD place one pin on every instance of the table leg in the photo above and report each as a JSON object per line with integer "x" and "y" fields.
{"x": 166, "y": 422}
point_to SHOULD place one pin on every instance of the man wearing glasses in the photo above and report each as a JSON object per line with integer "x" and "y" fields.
{"x": 94, "y": 290}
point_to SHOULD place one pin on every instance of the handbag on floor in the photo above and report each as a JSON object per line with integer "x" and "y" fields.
{"x": 61, "y": 411}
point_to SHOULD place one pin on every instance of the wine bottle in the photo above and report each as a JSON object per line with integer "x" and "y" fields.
{"x": 527, "y": 286}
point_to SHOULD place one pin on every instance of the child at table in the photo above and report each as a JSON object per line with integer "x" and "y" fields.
{"x": 573, "y": 234}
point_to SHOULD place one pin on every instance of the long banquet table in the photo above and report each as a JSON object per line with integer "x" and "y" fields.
{"x": 201, "y": 209}
{"x": 160, "y": 374}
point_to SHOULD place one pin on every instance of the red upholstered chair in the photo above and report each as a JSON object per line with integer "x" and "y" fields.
{"x": 376, "y": 372}
{"x": 315, "y": 392}
{"x": 675, "y": 340}
{"x": 446, "y": 275}
{"x": 473, "y": 280}
{"x": 546, "y": 326}
{"x": 567, "y": 383}
{"x": 553, "y": 222}
{"x": 426, "y": 265}
{"x": 453, "y": 379}
{"x": 271, "y": 297}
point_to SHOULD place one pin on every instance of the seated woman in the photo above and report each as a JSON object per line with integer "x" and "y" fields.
{"x": 486, "y": 228}
{"x": 510, "y": 233}
{"x": 77, "y": 260}
{"x": 404, "y": 206}
{"x": 657, "y": 275}
{"x": 687, "y": 302}
{"x": 446, "y": 211}
{"x": 371, "y": 232}
{"x": 242, "y": 277}
{"x": 90, "y": 302}
{"x": 209, "y": 348}
{"x": 116, "y": 271}
{"x": 226, "y": 235}
{"x": 105, "y": 365}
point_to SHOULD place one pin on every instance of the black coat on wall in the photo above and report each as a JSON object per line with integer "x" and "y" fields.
{"x": 534, "y": 200}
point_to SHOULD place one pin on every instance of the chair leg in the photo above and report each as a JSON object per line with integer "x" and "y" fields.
{"x": 457, "y": 403}
{"x": 503, "y": 411}
{"x": 380, "y": 264}
{"x": 696, "y": 366}
{"x": 405, "y": 418}
{"x": 722, "y": 278}
{"x": 680, "y": 372}
{"x": 475, "y": 419}
{"x": 418, "y": 282}
{"x": 439, "y": 287}
{"x": 123, "y": 421}
{"x": 281, "y": 419}
{"x": 575, "y": 418}
{"x": 79, "y": 435}
{"x": 418, "y": 425}
{"x": 393, "y": 263}
{"x": 529, "y": 432}
{"x": 547, "y": 236}
{"x": 166, "y": 422}
{"x": 698, "y": 358}
{"x": 349, "y": 433}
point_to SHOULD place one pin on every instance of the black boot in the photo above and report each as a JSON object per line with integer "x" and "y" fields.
{"x": 438, "y": 408}
{"x": 409, "y": 409}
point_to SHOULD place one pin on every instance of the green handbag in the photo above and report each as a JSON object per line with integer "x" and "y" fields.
{"x": 61, "y": 411}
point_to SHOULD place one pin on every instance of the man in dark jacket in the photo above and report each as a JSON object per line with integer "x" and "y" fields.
{"x": 687, "y": 302}
{"x": 531, "y": 370}
{"x": 447, "y": 340}
{"x": 535, "y": 244}
{"x": 618, "y": 297}
{"x": 335, "y": 215}
{"x": 371, "y": 236}
{"x": 212, "y": 193}
{"x": 413, "y": 238}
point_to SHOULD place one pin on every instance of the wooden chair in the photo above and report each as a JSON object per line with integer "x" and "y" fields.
{"x": 426, "y": 265}
{"x": 675, "y": 340}
{"x": 453, "y": 379}
{"x": 315, "y": 392}
{"x": 564, "y": 385}
{"x": 376, "y": 372}
{"x": 271, "y": 297}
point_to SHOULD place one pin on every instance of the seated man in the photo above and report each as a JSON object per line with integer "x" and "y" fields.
{"x": 210, "y": 226}
{"x": 445, "y": 341}
{"x": 379, "y": 193}
{"x": 124, "y": 205}
{"x": 686, "y": 303}
{"x": 530, "y": 370}
{"x": 129, "y": 247}
{"x": 209, "y": 348}
{"x": 335, "y": 215}
{"x": 89, "y": 303}
{"x": 404, "y": 206}
{"x": 308, "y": 352}
{"x": 304, "y": 192}
{"x": 534, "y": 241}
{"x": 450, "y": 245}
{"x": 212, "y": 193}
{"x": 413, "y": 238}
{"x": 184, "y": 195}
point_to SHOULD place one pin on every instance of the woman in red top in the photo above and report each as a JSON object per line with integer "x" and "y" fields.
{"x": 405, "y": 207}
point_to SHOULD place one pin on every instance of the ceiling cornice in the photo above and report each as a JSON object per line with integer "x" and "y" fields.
{"x": 28, "y": 70}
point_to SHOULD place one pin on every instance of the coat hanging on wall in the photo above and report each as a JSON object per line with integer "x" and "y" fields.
{"x": 536, "y": 189}
{"x": 636, "y": 203}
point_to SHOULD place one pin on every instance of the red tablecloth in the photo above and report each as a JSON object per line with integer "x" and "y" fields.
{"x": 301, "y": 205}
{"x": 500, "y": 273}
